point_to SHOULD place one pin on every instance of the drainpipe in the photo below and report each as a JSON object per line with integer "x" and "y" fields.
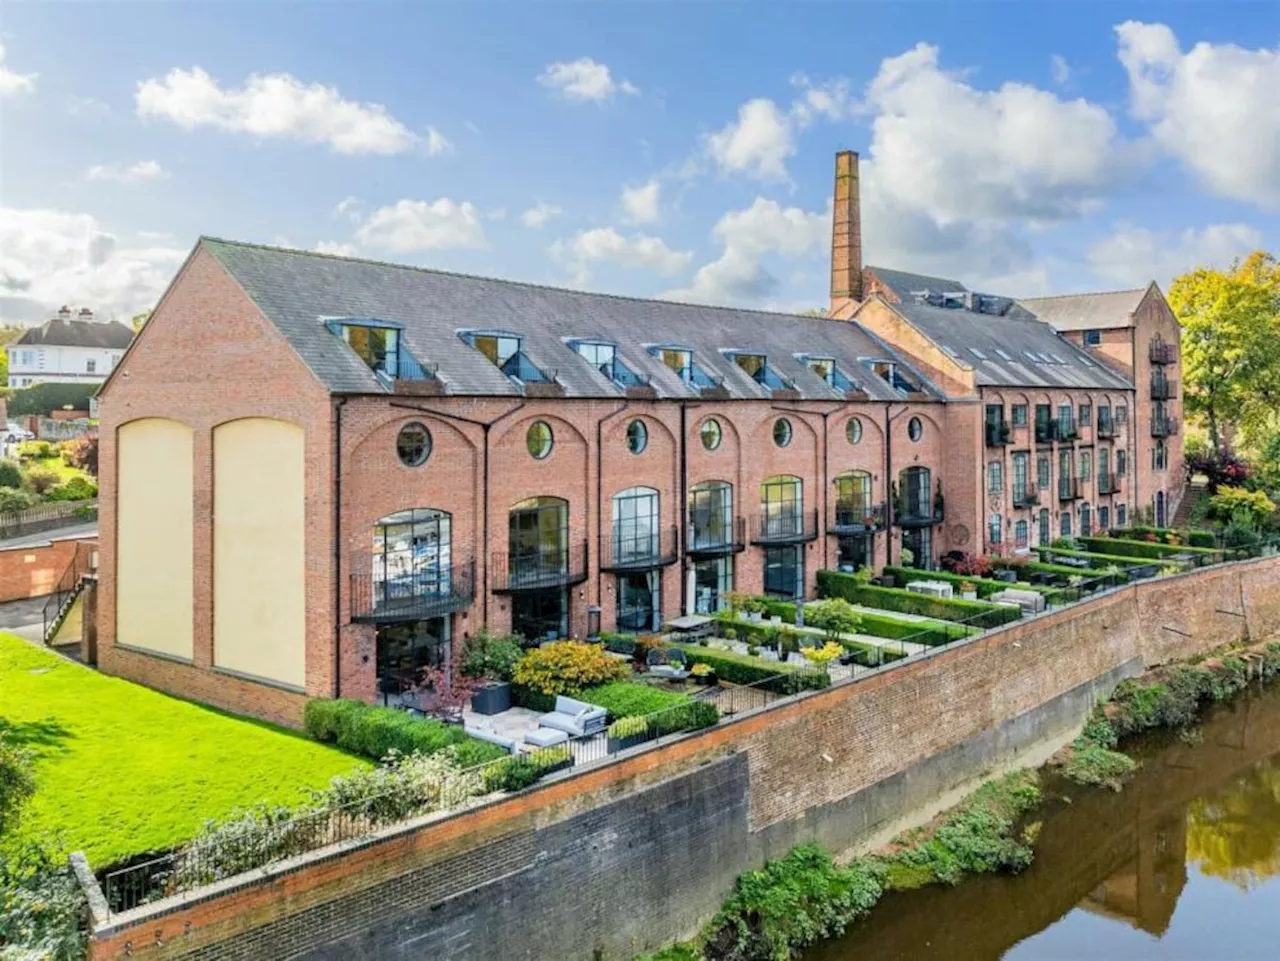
{"x": 337, "y": 546}
{"x": 682, "y": 537}
{"x": 600, "y": 498}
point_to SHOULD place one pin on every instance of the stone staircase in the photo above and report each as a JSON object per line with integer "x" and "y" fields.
{"x": 1190, "y": 497}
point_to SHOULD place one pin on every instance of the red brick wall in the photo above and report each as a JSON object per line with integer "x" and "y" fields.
{"x": 34, "y": 571}
{"x": 1154, "y": 318}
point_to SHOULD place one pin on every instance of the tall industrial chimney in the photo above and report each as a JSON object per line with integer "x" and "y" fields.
{"x": 846, "y": 232}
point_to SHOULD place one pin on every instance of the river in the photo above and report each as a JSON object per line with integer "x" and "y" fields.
{"x": 1182, "y": 865}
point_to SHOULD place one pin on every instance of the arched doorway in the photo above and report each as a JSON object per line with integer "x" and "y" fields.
{"x": 538, "y": 567}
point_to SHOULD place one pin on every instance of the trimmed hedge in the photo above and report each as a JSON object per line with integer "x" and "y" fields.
{"x": 1195, "y": 538}
{"x": 743, "y": 669}
{"x": 689, "y": 716}
{"x": 980, "y": 613}
{"x": 520, "y": 770}
{"x": 1088, "y": 573}
{"x": 985, "y": 586}
{"x": 1143, "y": 549}
{"x": 1092, "y": 556}
{"x": 629, "y": 699}
{"x": 376, "y": 731}
{"x": 619, "y": 643}
{"x": 535, "y": 700}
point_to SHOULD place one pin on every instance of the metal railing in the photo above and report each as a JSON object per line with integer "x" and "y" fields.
{"x": 1162, "y": 425}
{"x": 625, "y": 549}
{"x": 383, "y": 595}
{"x": 726, "y": 536}
{"x": 784, "y": 527}
{"x": 1026, "y": 496}
{"x": 70, "y": 583}
{"x": 918, "y": 512}
{"x": 1162, "y": 387}
{"x": 46, "y": 517}
{"x": 1065, "y": 429}
{"x": 1162, "y": 352}
{"x": 1105, "y": 430}
{"x": 997, "y": 434}
{"x": 1046, "y": 431}
{"x": 1108, "y": 483}
{"x": 538, "y": 568}
{"x": 1069, "y": 488}
{"x": 857, "y": 518}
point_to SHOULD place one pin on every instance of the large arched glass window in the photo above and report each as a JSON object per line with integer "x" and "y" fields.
{"x": 782, "y": 506}
{"x": 916, "y": 493}
{"x": 853, "y": 498}
{"x": 635, "y": 525}
{"x": 539, "y": 537}
{"x": 710, "y": 515}
{"x": 411, "y": 555}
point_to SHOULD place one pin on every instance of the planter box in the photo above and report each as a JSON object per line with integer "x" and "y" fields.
{"x": 617, "y": 744}
{"x": 492, "y": 698}
{"x": 969, "y": 595}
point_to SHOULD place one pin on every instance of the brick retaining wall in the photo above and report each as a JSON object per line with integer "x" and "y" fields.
{"x": 33, "y": 571}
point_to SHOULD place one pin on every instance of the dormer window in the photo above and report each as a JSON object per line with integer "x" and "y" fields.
{"x": 893, "y": 375}
{"x": 604, "y": 358}
{"x": 379, "y": 344}
{"x": 504, "y": 351}
{"x": 757, "y": 368}
{"x": 825, "y": 367}
{"x": 680, "y": 359}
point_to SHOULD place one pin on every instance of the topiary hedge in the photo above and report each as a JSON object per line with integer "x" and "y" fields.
{"x": 374, "y": 732}
{"x": 978, "y": 613}
{"x": 777, "y": 677}
{"x": 1144, "y": 549}
{"x": 518, "y": 771}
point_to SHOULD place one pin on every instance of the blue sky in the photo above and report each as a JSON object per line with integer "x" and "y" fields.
{"x": 650, "y": 149}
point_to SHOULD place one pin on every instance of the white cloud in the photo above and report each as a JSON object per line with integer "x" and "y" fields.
{"x": 92, "y": 107}
{"x": 274, "y": 105}
{"x": 640, "y": 205}
{"x": 605, "y": 244}
{"x": 1060, "y": 69}
{"x": 738, "y": 275}
{"x": 584, "y": 79}
{"x": 53, "y": 257}
{"x": 831, "y": 100}
{"x": 955, "y": 151}
{"x": 538, "y": 215}
{"x": 757, "y": 144}
{"x": 410, "y": 225}
{"x": 1215, "y": 108}
{"x": 437, "y": 143}
{"x": 1132, "y": 256}
{"x": 128, "y": 173}
{"x": 348, "y": 208}
{"x": 336, "y": 248}
{"x": 12, "y": 83}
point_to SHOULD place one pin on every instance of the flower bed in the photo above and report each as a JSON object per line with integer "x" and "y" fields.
{"x": 851, "y": 588}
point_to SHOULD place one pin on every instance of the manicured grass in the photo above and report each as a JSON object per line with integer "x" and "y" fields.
{"x": 122, "y": 770}
{"x": 629, "y": 699}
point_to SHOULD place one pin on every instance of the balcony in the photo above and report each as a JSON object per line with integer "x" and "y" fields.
{"x": 1108, "y": 483}
{"x": 998, "y": 433}
{"x": 716, "y": 536}
{"x": 789, "y": 527}
{"x": 1105, "y": 430}
{"x": 917, "y": 512}
{"x": 1163, "y": 353}
{"x": 413, "y": 596}
{"x": 1065, "y": 430}
{"x": 1162, "y": 388}
{"x": 856, "y": 518}
{"x": 1028, "y": 496}
{"x": 1162, "y": 425}
{"x": 1046, "y": 430}
{"x": 1069, "y": 489}
{"x": 538, "y": 568}
{"x": 624, "y": 549}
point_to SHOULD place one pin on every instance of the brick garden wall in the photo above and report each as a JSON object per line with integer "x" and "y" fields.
{"x": 623, "y": 857}
{"x": 34, "y": 571}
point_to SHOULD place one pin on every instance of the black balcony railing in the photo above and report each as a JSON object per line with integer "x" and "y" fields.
{"x": 1106, "y": 429}
{"x": 1108, "y": 483}
{"x": 1046, "y": 430}
{"x": 1065, "y": 429}
{"x": 535, "y": 569}
{"x": 1026, "y": 496}
{"x": 856, "y": 518}
{"x": 998, "y": 434}
{"x": 1162, "y": 352}
{"x": 1162, "y": 425}
{"x": 1069, "y": 489}
{"x": 1163, "y": 388}
{"x": 625, "y": 549}
{"x": 710, "y": 538}
{"x": 380, "y": 594}
{"x": 912, "y": 511}
{"x": 784, "y": 527}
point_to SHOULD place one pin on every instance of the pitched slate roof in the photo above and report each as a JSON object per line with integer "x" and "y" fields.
{"x": 904, "y": 284}
{"x": 1016, "y": 350}
{"x": 1107, "y": 309}
{"x": 296, "y": 289}
{"x": 57, "y": 332}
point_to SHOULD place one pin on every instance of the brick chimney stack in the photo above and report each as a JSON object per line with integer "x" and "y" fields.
{"x": 846, "y": 232}
{"x": 86, "y": 315}
{"x": 64, "y": 313}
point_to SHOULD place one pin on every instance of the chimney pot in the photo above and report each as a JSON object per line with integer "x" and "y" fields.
{"x": 846, "y": 232}
{"x": 64, "y": 313}
{"x": 86, "y": 314}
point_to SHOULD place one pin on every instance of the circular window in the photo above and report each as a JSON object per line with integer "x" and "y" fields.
{"x": 915, "y": 430}
{"x": 853, "y": 430}
{"x": 782, "y": 432}
{"x": 637, "y": 436}
{"x": 539, "y": 439}
{"x": 710, "y": 433}
{"x": 414, "y": 444}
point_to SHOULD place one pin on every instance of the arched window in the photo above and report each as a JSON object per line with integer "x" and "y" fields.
{"x": 916, "y": 493}
{"x": 412, "y": 555}
{"x": 1021, "y": 535}
{"x": 1046, "y": 529}
{"x": 635, "y": 525}
{"x": 1086, "y": 520}
{"x": 710, "y": 515}
{"x": 539, "y": 537}
{"x": 853, "y": 498}
{"x": 782, "y": 506}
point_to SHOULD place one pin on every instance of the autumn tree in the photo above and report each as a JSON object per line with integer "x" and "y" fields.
{"x": 1231, "y": 344}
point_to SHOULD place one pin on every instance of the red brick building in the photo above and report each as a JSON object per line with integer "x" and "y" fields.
{"x": 317, "y": 470}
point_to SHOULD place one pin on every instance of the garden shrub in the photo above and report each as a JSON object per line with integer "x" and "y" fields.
{"x": 42, "y": 907}
{"x": 10, "y": 473}
{"x": 376, "y": 732}
{"x": 46, "y": 398}
{"x": 15, "y": 500}
{"x": 690, "y": 716}
{"x": 1095, "y": 764}
{"x": 527, "y": 697}
{"x": 82, "y": 453}
{"x": 1145, "y": 549}
{"x": 492, "y": 655}
{"x": 517, "y": 772}
{"x": 1230, "y": 501}
{"x": 1202, "y": 539}
{"x": 619, "y": 643}
{"x": 837, "y": 584}
{"x": 322, "y": 717}
{"x": 75, "y": 489}
{"x": 834, "y": 616}
{"x": 628, "y": 727}
{"x": 744, "y": 669}
{"x": 567, "y": 667}
{"x": 41, "y": 480}
{"x": 629, "y": 699}
{"x": 984, "y": 587}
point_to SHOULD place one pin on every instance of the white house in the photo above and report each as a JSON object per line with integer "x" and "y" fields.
{"x": 68, "y": 349}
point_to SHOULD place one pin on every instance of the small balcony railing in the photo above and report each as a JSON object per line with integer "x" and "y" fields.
{"x": 1108, "y": 483}
{"x": 1162, "y": 425}
{"x": 538, "y": 568}
{"x": 1163, "y": 388}
{"x": 1069, "y": 489}
{"x": 1106, "y": 429}
{"x": 1162, "y": 352}
{"x": 856, "y": 518}
{"x": 998, "y": 434}
{"x": 1046, "y": 430}
{"x": 917, "y": 512}
{"x": 785, "y": 527}
{"x": 1065, "y": 429}
{"x": 624, "y": 549}
{"x": 378, "y": 594}
{"x": 1027, "y": 496}
{"x": 713, "y": 538}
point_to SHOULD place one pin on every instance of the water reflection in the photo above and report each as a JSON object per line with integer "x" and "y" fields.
{"x": 1176, "y": 866}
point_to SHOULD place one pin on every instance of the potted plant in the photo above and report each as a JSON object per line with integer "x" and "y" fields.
{"x": 730, "y": 634}
{"x": 627, "y": 732}
{"x": 703, "y": 674}
{"x": 968, "y": 591}
{"x": 489, "y": 661}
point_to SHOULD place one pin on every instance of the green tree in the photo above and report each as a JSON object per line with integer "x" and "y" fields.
{"x": 140, "y": 319}
{"x": 8, "y": 334}
{"x": 1231, "y": 343}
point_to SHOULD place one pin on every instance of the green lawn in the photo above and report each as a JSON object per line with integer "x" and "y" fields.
{"x": 123, "y": 770}
{"x": 60, "y": 467}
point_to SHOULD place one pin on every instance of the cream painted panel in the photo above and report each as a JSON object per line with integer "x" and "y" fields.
{"x": 259, "y": 562}
{"x": 154, "y": 521}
